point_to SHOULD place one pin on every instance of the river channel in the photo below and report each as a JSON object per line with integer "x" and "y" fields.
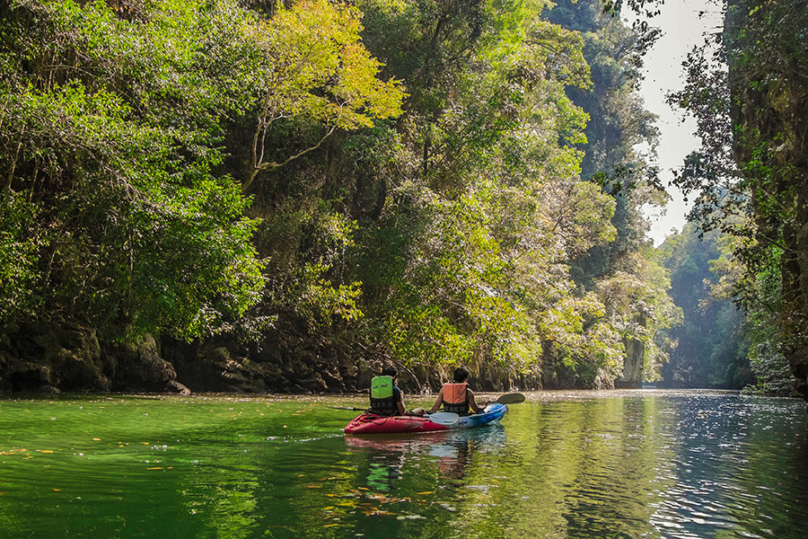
{"x": 634, "y": 464}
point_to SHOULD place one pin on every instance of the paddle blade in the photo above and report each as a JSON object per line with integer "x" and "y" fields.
{"x": 444, "y": 418}
{"x": 511, "y": 398}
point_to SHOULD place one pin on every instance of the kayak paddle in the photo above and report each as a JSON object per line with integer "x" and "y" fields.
{"x": 347, "y": 408}
{"x": 509, "y": 398}
{"x": 443, "y": 418}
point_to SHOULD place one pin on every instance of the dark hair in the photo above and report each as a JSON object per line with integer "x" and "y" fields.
{"x": 389, "y": 370}
{"x": 461, "y": 374}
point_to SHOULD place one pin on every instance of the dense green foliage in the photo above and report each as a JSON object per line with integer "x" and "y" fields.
{"x": 624, "y": 273}
{"x": 380, "y": 180}
{"x": 110, "y": 134}
{"x": 747, "y": 91}
{"x": 711, "y": 348}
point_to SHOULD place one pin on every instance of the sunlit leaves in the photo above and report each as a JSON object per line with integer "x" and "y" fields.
{"x": 315, "y": 68}
{"x": 580, "y": 336}
{"x": 493, "y": 209}
{"x": 440, "y": 237}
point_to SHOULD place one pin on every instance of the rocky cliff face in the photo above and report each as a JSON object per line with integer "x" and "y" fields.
{"x": 633, "y": 364}
{"x": 61, "y": 356}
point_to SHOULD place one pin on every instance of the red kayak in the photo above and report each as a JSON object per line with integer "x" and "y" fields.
{"x": 373, "y": 424}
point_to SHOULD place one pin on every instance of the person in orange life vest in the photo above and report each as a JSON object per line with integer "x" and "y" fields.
{"x": 386, "y": 399}
{"x": 457, "y": 397}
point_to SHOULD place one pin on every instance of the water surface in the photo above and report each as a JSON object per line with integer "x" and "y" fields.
{"x": 640, "y": 464}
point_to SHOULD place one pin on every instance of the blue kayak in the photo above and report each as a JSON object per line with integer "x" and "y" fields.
{"x": 492, "y": 412}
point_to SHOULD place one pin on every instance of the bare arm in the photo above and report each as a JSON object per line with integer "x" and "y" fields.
{"x": 400, "y": 403}
{"x": 473, "y": 404}
{"x": 438, "y": 402}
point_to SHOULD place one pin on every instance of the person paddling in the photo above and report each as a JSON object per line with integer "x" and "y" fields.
{"x": 386, "y": 399}
{"x": 457, "y": 397}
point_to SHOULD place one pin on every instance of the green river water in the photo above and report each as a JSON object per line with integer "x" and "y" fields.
{"x": 641, "y": 464}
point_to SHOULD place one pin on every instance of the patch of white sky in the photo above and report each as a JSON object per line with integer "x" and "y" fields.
{"x": 684, "y": 24}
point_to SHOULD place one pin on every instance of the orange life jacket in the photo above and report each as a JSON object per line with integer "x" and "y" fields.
{"x": 455, "y": 398}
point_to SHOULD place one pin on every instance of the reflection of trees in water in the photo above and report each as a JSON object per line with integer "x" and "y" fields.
{"x": 728, "y": 463}
{"x": 226, "y": 496}
{"x": 583, "y": 467}
{"x": 382, "y": 474}
{"x": 568, "y": 469}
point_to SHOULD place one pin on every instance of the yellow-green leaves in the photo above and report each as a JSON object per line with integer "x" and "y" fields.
{"x": 316, "y": 69}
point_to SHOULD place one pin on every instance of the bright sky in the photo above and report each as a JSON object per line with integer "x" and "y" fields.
{"x": 681, "y": 30}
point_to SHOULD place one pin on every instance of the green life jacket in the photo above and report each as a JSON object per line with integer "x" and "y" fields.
{"x": 382, "y": 396}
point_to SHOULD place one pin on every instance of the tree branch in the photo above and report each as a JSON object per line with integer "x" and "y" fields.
{"x": 258, "y": 167}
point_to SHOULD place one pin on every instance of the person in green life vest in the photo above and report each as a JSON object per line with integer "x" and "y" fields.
{"x": 457, "y": 397}
{"x": 386, "y": 399}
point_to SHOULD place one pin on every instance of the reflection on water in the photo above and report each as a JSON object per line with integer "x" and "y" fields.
{"x": 641, "y": 464}
{"x": 738, "y": 467}
{"x": 451, "y": 451}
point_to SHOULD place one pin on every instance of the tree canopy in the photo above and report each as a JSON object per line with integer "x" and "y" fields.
{"x": 317, "y": 185}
